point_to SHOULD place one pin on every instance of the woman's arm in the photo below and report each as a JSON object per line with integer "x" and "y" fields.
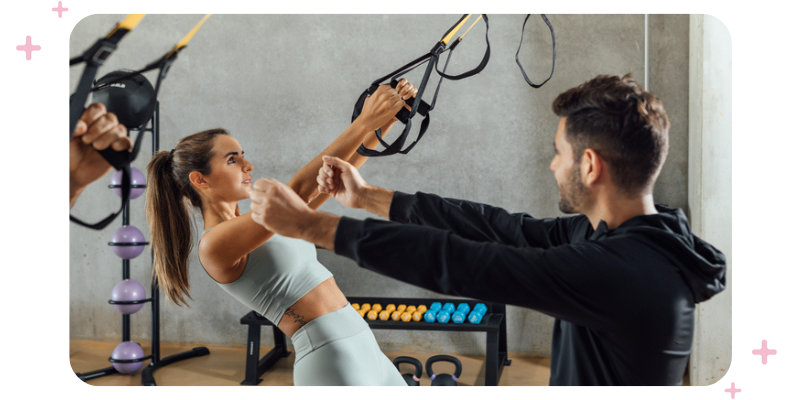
{"x": 378, "y": 112}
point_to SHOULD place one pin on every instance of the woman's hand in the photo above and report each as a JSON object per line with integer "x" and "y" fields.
{"x": 380, "y": 107}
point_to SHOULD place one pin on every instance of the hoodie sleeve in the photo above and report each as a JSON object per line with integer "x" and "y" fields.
{"x": 482, "y": 222}
{"x": 570, "y": 282}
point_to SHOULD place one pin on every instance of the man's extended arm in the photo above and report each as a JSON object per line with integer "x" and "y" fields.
{"x": 471, "y": 220}
{"x": 569, "y": 282}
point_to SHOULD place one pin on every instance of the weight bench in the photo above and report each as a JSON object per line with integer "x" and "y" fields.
{"x": 255, "y": 367}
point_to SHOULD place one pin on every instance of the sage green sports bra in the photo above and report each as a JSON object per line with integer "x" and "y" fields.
{"x": 278, "y": 273}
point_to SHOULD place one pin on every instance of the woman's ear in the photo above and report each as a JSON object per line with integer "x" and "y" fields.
{"x": 198, "y": 180}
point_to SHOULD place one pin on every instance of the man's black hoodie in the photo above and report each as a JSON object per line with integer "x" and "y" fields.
{"x": 623, "y": 298}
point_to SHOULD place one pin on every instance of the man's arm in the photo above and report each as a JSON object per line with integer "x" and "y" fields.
{"x": 568, "y": 282}
{"x": 585, "y": 283}
{"x": 474, "y": 221}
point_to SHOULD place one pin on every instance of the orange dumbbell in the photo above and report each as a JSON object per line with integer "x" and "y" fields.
{"x": 372, "y": 315}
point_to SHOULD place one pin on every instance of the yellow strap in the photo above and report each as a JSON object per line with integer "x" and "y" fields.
{"x": 455, "y": 30}
{"x": 470, "y": 27}
{"x": 188, "y": 36}
{"x": 128, "y": 23}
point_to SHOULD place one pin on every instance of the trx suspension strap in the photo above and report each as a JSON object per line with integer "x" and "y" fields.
{"x": 416, "y": 103}
{"x": 120, "y": 160}
{"x": 553, "y": 37}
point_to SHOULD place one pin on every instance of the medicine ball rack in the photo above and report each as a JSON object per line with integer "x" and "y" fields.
{"x": 493, "y": 323}
{"x": 155, "y": 356}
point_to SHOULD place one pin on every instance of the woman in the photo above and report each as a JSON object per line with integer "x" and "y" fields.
{"x": 277, "y": 276}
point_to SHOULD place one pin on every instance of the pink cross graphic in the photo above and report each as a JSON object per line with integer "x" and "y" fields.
{"x": 28, "y": 48}
{"x": 764, "y": 352}
{"x": 60, "y": 9}
{"x": 733, "y": 390}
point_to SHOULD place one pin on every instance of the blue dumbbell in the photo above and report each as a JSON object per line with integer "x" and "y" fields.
{"x": 449, "y": 308}
{"x": 458, "y": 317}
{"x": 443, "y": 317}
{"x": 435, "y": 306}
{"x": 475, "y": 317}
{"x": 480, "y": 307}
{"x": 430, "y": 316}
{"x": 463, "y": 307}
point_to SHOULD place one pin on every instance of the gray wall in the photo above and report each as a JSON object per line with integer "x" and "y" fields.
{"x": 285, "y": 85}
{"x": 710, "y": 185}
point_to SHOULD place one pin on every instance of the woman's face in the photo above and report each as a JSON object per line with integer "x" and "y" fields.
{"x": 230, "y": 178}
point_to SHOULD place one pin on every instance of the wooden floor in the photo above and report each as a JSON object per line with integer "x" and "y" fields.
{"x": 225, "y": 367}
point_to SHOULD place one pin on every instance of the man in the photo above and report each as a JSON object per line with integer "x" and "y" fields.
{"x": 96, "y": 130}
{"x": 622, "y": 279}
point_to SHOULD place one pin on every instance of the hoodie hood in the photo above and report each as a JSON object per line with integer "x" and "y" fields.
{"x": 701, "y": 264}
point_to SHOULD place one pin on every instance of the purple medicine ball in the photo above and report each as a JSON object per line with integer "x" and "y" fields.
{"x": 127, "y": 234}
{"x": 137, "y": 178}
{"x": 128, "y": 290}
{"x": 127, "y": 351}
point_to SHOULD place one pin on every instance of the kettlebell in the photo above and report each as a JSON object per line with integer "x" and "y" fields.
{"x": 443, "y": 379}
{"x": 411, "y": 380}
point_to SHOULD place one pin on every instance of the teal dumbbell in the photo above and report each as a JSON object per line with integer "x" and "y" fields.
{"x": 435, "y": 307}
{"x": 463, "y": 307}
{"x": 443, "y": 317}
{"x": 480, "y": 307}
{"x": 458, "y": 317}
{"x": 475, "y": 317}
{"x": 430, "y": 316}
{"x": 449, "y": 308}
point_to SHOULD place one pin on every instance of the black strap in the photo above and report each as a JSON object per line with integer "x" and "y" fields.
{"x": 417, "y": 104}
{"x": 475, "y": 70}
{"x": 553, "y": 36}
{"x": 94, "y": 57}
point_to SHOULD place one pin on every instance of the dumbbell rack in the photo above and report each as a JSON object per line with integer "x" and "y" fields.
{"x": 155, "y": 356}
{"x": 493, "y": 323}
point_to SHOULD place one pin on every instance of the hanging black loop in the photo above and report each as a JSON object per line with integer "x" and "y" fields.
{"x": 553, "y": 37}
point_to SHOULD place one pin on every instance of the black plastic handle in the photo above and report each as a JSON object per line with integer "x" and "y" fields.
{"x": 409, "y": 360}
{"x": 446, "y": 358}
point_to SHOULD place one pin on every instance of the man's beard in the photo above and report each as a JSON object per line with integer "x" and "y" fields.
{"x": 573, "y": 193}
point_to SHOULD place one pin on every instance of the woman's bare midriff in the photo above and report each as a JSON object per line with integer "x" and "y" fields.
{"x": 323, "y": 299}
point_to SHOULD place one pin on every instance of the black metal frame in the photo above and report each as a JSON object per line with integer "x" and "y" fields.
{"x": 155, "y": 356}
{"x": 255, "y": 366}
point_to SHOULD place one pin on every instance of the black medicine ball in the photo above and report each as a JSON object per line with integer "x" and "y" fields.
{"x": 131, "y": 99}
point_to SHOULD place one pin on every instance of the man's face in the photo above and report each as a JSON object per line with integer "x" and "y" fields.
{"x": 571, "y": 191}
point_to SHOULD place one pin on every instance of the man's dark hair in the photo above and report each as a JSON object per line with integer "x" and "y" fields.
{"x": 624, "y": 124}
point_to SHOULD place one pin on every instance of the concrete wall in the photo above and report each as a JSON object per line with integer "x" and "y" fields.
{"x": 285, "y": 91}
{"x": 710, "y": 189}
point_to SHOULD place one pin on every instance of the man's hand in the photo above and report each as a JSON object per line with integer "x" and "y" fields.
{"x": 96, "y": 130}
{"x": 279, "y": 209}
{"x": 342, "y": 181}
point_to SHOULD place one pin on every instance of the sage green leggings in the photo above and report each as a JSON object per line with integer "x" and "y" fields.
{"x": 339, "y": 349}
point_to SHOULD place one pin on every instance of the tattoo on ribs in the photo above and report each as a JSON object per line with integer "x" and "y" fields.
{"x": 297, "y": 317}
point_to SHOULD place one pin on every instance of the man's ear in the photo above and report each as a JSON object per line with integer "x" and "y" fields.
{"x": 592, "y": 167}
{"x": 198, "y": 180}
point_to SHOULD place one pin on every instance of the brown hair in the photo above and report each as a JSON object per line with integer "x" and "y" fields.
{"x": 623, "y": 123}
{"x": 168, "y": 192}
